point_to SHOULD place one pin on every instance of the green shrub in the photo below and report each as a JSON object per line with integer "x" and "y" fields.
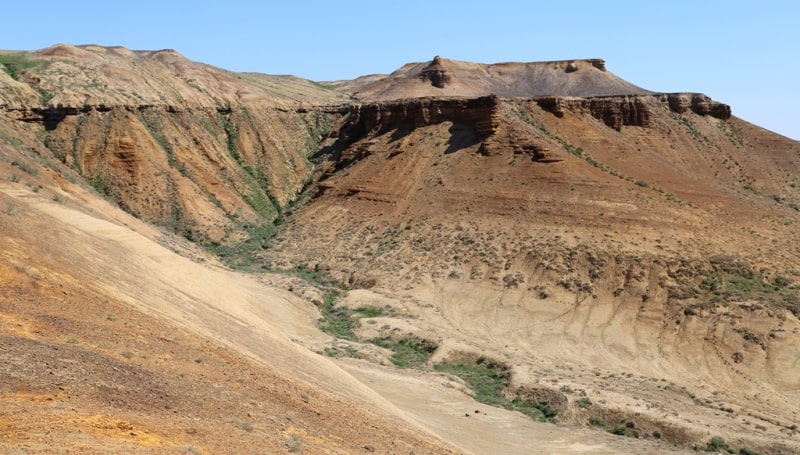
{"x": 717, "y": 444}
{"x": 409, "y": 351}
{"x": 488, "y": 380}
{"x": 339, "y": 321}
{"x": 16, "y": 62}
{"x": 25, "y": 167}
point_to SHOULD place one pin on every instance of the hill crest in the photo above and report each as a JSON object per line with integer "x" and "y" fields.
{"x": 444, "y": 77}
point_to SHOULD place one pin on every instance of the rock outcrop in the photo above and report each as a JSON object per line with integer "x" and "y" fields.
{"x": 699, "y": 104}
{"x": 616, "y": 112}
{"x": 435, "y": 73}
{"x": 619, "y": 111}
{"x": 377, "y": 118}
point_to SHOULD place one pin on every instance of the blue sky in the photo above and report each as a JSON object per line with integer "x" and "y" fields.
{"x": 744, "y": 53}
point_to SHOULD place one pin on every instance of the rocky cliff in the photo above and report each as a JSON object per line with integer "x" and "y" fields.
{"x": 210, "y": 154}
{"x": 619, "y": 111}
{"x": 482, "y": 117}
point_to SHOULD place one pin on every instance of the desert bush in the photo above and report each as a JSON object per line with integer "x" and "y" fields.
{"x": 718, "y": 444}
{"x": 294, "y": 443}
{"x": 339, "y": 321}
{"x": 244, "y": 425}
{"x": 408, "y": 351}
{"x": 489, "y": 379}
{"x": 25, "y": 167}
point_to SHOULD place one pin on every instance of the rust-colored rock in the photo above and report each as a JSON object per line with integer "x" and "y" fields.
{"x": 377, "y": 118}
{"x": 616, "y": 112}
{"x": 699, "y": 104}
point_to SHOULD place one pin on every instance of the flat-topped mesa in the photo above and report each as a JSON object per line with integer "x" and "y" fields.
{"x": 444, "y": 77}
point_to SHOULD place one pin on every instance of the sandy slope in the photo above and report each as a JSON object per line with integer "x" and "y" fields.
{"x": 442, "y": 406}
{"x": 61, "y": 246}
{"x": 100, "y": 251}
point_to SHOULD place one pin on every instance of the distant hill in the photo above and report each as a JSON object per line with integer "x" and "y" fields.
{"x": 443, "y": 77}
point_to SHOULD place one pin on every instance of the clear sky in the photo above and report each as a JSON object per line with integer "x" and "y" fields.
{"x": 743, "y": 53}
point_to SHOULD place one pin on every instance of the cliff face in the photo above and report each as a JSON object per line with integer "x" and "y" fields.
{"x": 699, "y": 104}
{"x": 377, "y": 118}
{"x": 619, "y": 111}
{"x": 482, "y": 116}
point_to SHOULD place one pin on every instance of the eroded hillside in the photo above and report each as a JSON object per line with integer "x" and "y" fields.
{"x": 647, "y": 238}
{"x": 212, "y": 155}
{"x": 614, "y": 259}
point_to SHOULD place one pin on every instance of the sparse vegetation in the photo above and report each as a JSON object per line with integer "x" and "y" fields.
{"x": 15, "y": 63}
{"x": 731, "y": 133}
{"x": 488, "y": 380}
{"x": 718, "y": 444}
{"x": 409, "y": 351}
{"x": 623, "y": 430}
{"x": 25, "y": 167}
{"x": 731, "y": 279}
{"x": 244, "y": 425}
{"x": 318, "y": 125}
{"x": 46, "y": 95}
{"x": 690, "y": 126}
{"x": 241, "y": 255}
{"x": 596, "y": 421}
{"x": 294, "y": 442}
{"x": 339, "y": 321}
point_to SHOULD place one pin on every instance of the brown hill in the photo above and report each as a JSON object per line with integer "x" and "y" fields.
{"x": 614, "y": 259}
{"x": 443, "y": 77}
{"x": 175, "y": 142}
{"x": 639, "y": 258}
